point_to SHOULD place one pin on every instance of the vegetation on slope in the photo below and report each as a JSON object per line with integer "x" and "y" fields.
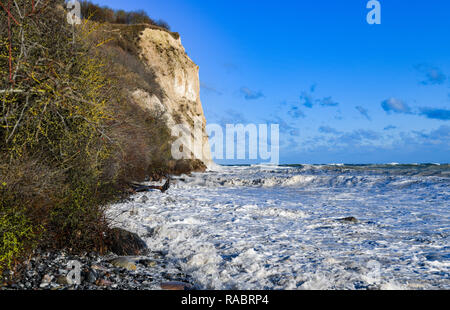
{"x": 71, "y": 138}
{"x": 105, "y": 14}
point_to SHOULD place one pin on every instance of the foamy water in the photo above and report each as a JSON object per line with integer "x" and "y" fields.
{"x": 277, "y": 227}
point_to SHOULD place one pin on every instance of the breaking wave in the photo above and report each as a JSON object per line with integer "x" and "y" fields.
{"x": 265, "y": 227}
{"x": 374, "y": 176}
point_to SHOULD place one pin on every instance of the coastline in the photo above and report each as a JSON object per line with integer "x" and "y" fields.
{"x": 199, "y": 238}
{"x": 50, "y": 270}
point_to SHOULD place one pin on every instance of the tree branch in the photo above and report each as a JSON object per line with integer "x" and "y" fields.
{"x": 18, "y": 121}
{"x": 9, "y": 14}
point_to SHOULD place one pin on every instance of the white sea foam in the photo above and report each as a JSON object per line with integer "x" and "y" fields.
{"x": 266, "y": 227}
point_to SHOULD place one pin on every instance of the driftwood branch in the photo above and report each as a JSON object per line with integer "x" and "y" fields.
{"x": 145, "y": 188}
{"x": 12, "y": 91}
{"x": 18, "y": 121}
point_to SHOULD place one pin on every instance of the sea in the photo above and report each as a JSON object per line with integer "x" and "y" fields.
{"x": 301, "y": 227}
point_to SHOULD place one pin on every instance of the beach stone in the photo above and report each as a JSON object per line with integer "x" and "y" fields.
{"x": 151, "y": 264}
{"x": 91, "y": 276}
{"x": 175, "y": 286}
{"x": 124, "y": 262}
{"x": 148, "y": 263}
{"x": 98, "y": 267}
{"x": 103, "y": 282}
{"x": 126, "y": 243}
{"x": 350, "y": 219}
{"x": 144, "y": 199}
{"x": 62, "y": 280}
{"x": 46, "y": 280}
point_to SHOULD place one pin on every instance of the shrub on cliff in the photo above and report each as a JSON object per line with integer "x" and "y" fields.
{"x": 103, "y": 14}
{"x": 53, "y": 140}
{"x": 71, "y": 136}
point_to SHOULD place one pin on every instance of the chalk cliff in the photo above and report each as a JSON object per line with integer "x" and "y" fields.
{"x": 178, "y": 79}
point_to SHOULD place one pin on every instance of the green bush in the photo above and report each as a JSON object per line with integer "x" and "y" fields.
{"x": 17, "y": 234}
{"x": 54, "y": 141}
{"x": 71, "y": 137}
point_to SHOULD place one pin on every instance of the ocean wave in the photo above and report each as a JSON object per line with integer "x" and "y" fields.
{"x": 305, "y": 176}
{"x": 281, "y": 227}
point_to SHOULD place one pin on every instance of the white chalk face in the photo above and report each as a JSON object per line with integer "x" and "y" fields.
{"x": 304, "y": 227}
{"x": 184, "y": 85}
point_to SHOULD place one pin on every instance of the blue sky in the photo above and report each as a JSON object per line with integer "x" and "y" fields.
{"x": 343, "y": 91}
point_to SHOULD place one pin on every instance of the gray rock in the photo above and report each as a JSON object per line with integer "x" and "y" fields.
{"x": 124, "y": 262}
{"x": 62, "y": 280}
{"x": 99, "y": 268}
{"x": 350, "y": 219}
{"x": 175, "y": 286}
{"x": 46, "y": 280}
{"x": 126, "y": 243}
{"x": 148, "y": 263}
{"x": 91, "y": 277}
{"x": 103, "y": 282}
